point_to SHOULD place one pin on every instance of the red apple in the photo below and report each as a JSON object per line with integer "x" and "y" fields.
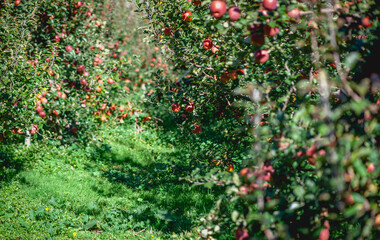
{"x": 167, "y": 31}
{"x": 366, "y": 22}
{"x": 110, "y": 81}
{"x": 269, "y": 31}
{"x": 69, "y": 48}
{"x": 81, "y": 68}
{"x": 234, "y": 13}
{"x": 189, "y": 108}
{"x": 176, "y": 107}
{"x": 17, "y": 2}
{"x": 187, "y": 16}
{"x": 83, "y": 82}
{"x": 261, "y": 56}
{"x": 294, "y": 13}
{"x": 121, "y": 108}
{"x": 257, "y": 39}
{"x": 215, "y": 48}
{"x": 241, "y": 234}
{"x": 270, "y": 4}
{"x": 225, "y": 78}
{"x": 218, "y": 8}
{"x": 87, "y": 89}
{"x": 370, "y": 168}
{"x": 39, "y": 109}
{"x": 197, "y": 2}
{"x": 324, "y": 234}
{"x": 42, "y": 114}
{"x": 207, "y": 44}
{"x": 197, "y": 129}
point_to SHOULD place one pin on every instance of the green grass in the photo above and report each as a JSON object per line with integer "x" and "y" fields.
{"x": 123, "y": 187}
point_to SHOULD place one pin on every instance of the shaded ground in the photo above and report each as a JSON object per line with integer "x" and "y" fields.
{"x": 125, "y": 187}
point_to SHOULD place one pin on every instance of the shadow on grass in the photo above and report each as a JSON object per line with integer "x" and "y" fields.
{"x": 165, "y": 203}
{"x": 10, "y": 164}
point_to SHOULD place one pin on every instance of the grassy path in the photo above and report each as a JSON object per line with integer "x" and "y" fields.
{"x": 125, "y": 187}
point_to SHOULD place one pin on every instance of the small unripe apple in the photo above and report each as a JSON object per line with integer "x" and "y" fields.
{"x": 261, "y": 56}
{"x": 270, "y": 4}
{"x": 187, "y": 16}
{"x": 234, "y": 13}
{"x": 218, "y": 8}
{"x": 207, "y": 44}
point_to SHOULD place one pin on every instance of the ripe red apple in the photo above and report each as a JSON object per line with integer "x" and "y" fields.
{"x": 207, "y": 44}
{"x": 241, "y": 234}
{"x": 324, "y": 234}
{"x": 110, "y": 81}
{"x": 269, "y": 31}
{"x": 234, "y": 13}
{"x": 83, "y": 82}
{"x": 294, "y": 13}
{"x": 87, "y": 89}
{"x": 44, "y": 100}
{"x": 263, "y": 12}
{"x": 366, "y": 22}
{"x": 99, "y": 89}
{"x": 189, "y": 108}
{"x": 225, "y": 78}
{"x": 121, "y": 108}
{"x": 74, "y": 130}
{"x": 270, "y": 4}
{"x": 176, "y": 107}
{"x": 197, "y": 129}
{"x": 81, "y": 69}
{"x": 261, "y": 56}
{"x": 42, "y": 114}
{"x": 215, "y": 48}
{"x": 69, "y": 48}
{"x": 34, "y": 129}
{"x": 187, "y": 16}
{"x": 17, "y": 2}
{"x": 39, "y": 109}
{"x": 230, "y": 167}
{"x": 257, "y": 39}
{"x": 370, "y": 168}
{"x": 218, "y": 8}
{"x": 167, "y": 31}
{"x": 197, "y": 2}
